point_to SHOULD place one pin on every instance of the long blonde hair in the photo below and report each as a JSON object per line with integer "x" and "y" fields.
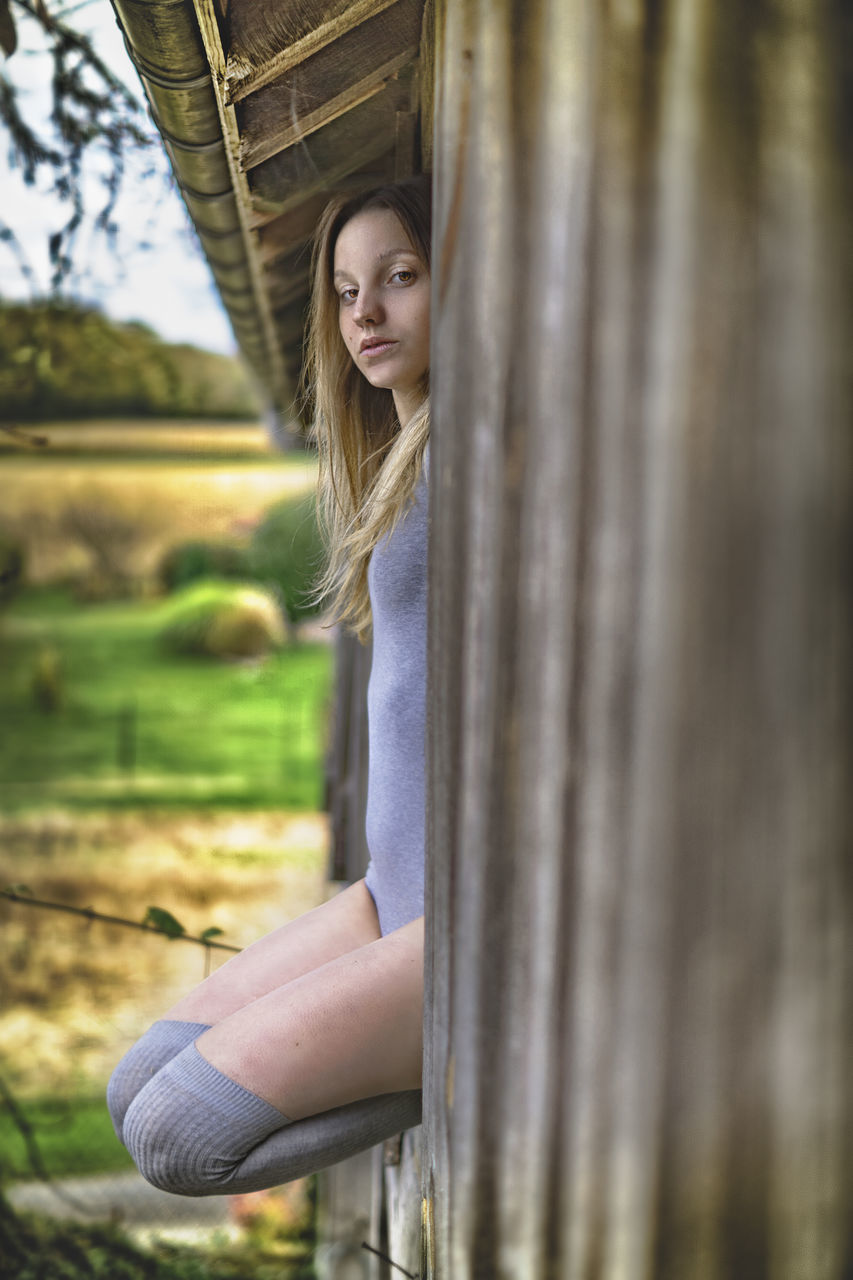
{"x": 369, "y": 466}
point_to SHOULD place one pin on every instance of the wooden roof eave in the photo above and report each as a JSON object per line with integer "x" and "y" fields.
{"x": 176, "y": 50}
{"x": 266, "y": 110}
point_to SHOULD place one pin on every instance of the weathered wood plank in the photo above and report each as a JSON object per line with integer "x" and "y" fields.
{"x": 427, "y": 85}
{"x": 347, "y": 765}
{"x": 640, "y": 954}
{"x": 346, "y": 1195}
{"x": 331, "y": 82}
{"x": 260, "y": 334}
{"x": 268, "y": 40}
{"x": 330, "y": 154}
{"x": 277, "y": 127}
{"x": 403, "y": 1176}
{"x": 286, "y": 234}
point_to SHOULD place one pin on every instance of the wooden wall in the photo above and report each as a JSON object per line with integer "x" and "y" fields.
{"x": 641, "y": 1035}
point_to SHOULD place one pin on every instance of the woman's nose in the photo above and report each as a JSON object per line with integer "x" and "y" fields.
{"x": 367, "y": 307}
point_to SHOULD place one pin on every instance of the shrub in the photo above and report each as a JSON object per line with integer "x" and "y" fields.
{"x": 46, "y": 682}
{"x": 188, "y": 561}
{"x": 112, "y": 533}
{"x": 223, "y": 620}
{"x": 287, "y": 550}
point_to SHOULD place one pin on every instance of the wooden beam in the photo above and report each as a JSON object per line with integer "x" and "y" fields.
{"x": 263, "y": 325}
{"x": 291, "y": 231}
{"x": 274, "y": 132}
{"x": 243, "y": 76}
{"x": 336, "y": 170}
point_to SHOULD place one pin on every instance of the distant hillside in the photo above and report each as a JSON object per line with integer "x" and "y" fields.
{"x": 62, "y": 360}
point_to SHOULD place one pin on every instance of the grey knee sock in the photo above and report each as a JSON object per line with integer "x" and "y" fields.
{"x": 194, "y": 1131}
{"x": 161, "y": 1042}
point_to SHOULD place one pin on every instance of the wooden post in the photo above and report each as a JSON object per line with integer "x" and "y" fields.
{"x": 640, "y": 962}
{"x": 346, "y": 773}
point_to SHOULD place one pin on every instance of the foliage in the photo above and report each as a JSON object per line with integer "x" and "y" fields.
{"x": 287, "y": 550}
{"x": 46, "y": 683}
{"x": 205, "y": 733}
{"x": 93, "y": 114}
{"x": 60, "y": 359}
{"x": 223, "y": 620}
{"x": 33, "y": 1248}
{"x": 111, "y": 533}
{"x": 74, "y": 1134}
{"x": 188, "y": 561}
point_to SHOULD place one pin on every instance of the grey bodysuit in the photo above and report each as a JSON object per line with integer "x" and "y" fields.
{"x": 396, "y": 717}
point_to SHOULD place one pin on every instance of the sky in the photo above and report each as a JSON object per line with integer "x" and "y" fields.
{"x": 168, "y": 285}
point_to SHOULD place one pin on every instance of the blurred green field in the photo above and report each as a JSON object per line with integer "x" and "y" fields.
{"x": 190, "y": 783}
{"x": 74, "y": 1136}
{"x": 139, "y": 726}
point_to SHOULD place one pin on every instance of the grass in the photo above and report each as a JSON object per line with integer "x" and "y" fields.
{"x": 139, "y": 726}
{"x": 42, "y": 1249}
{"x": 77, "y": 994}
{"x": 74, "y": 1136}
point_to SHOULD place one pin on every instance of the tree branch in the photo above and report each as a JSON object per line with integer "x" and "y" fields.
{"x": 12, "y": 895}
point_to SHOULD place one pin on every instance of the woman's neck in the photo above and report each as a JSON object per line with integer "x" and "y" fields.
{"x": 406, "y": 403}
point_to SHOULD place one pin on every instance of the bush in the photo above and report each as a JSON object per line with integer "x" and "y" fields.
{"x": 112, "y": 533}
{"x": 40, "y": 1248}
{"x": 46, "y": 683}
{"x": 223, "y": 620}
{"x": 287, "y": 550}
{"x": 188, "y": 561}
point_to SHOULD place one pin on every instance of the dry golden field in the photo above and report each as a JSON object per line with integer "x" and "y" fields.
{"x": 77, "y": 993}
{"x": 227, "y": 439}
{"x": 134, "y": 436}
{"x": 168, "y": 497}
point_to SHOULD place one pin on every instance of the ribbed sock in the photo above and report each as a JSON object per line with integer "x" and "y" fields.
{"x": 195, "y": 1131}
{"x": 193, "y": 1125}
{"x": 161, "y": 1042}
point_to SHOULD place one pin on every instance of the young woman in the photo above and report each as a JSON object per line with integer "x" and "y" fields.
{"x": 307, "y": 1046}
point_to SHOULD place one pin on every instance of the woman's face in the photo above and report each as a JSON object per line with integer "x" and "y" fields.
{"x": 383, "y": 293}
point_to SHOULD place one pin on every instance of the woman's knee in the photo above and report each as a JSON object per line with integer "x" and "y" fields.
{"x": 161, "y": 1043}
{"x": 191, "y": 1127}
{"x": 167, "y": 1149}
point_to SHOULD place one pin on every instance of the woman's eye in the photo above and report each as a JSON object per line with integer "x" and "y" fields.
{"x": 404, "y": 275}
{"x": 348, "y": 295}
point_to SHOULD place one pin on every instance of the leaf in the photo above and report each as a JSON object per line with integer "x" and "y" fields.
{"x": 20, "y": 890}
{"x": 164, "y": 921}
{"x": 212, "y": 932}
{"x": 8, "y": 34}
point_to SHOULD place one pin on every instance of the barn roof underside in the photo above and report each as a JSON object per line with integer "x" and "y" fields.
{"x": 266, "y": 109}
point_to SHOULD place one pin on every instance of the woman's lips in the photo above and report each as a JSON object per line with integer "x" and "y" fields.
{"x": 377, "y": 348}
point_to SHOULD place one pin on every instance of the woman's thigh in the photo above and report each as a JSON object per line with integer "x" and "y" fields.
{"x": 343, "y": 924}
{"x": 350, "y": 1029}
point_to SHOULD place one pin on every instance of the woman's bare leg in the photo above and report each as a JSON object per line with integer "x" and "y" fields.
{"x": 349, "y": 1029}
{"x": 343, "y": 924}
{"x": 301, "y": 1077}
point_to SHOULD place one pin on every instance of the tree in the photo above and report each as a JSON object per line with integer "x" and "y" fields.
{"x": 92, "y": 114}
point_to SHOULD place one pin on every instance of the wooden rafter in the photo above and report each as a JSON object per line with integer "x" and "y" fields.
{"x": 243, "y": 75}
{"x": 281, "y": 134}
